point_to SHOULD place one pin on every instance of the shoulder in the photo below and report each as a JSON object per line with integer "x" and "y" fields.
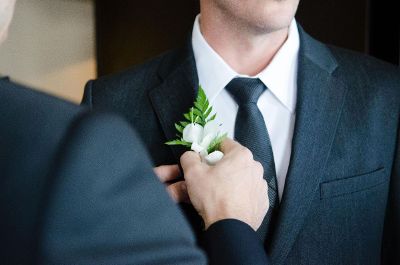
{"x": 19, "y": 96}
{"x": 145, "y": 76}
{"x": 94, "y": 140}
{"x": 35, "y": 114}
{"x": 103, "y": 133}
{"x": 365, "y": 70}
{"x": 370, "y": 81}
{"x": 128, "y": 91}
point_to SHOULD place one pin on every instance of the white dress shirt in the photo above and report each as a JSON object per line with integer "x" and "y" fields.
{"x": 277, "y": 104}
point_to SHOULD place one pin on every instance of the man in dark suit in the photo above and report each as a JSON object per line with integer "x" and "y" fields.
{"x": 77, "y": 188}
{"x": 331, "y": 120}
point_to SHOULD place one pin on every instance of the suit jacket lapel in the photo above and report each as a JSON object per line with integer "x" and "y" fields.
{"x": 176, "y": 93}
{"x": 319, "y": 104}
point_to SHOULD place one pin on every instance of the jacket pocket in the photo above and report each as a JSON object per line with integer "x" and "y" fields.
{"x": 339, "y": 187}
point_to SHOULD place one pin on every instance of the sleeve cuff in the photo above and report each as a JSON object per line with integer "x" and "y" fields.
{"x": 231, "y": 241}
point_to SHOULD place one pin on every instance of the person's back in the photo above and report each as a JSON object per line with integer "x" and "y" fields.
{"x": 30, "y": 136}
{"x": 65, "y": 200}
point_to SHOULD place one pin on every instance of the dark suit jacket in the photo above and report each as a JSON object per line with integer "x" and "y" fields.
{"x": 341, "y": 203}
{"x": 78, "y": 188}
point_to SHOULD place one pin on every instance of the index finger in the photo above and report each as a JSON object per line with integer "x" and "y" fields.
{"x": 167, "y": 172}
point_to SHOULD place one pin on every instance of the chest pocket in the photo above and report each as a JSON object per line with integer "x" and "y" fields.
{"x": 352, "y": 184}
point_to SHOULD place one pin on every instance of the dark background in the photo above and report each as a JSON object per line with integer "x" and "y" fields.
{"x": 130, "y": 32}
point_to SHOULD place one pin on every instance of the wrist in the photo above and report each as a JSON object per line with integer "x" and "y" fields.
{"x": 210, "y": 221}
{"x": 212, "y": 217}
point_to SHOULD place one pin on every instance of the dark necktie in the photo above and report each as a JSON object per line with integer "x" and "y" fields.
{"x": 250, "y": 131}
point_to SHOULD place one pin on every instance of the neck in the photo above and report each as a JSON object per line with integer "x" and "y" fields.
{"x": 245, "y": 51}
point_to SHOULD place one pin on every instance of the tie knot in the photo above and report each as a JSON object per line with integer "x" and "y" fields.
{"x": 246, "y": 90}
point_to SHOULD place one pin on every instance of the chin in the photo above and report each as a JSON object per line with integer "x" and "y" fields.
{"x": 268, "y": 20}
{"x": 277, "y": 16}
{"x": 269, "y": 25}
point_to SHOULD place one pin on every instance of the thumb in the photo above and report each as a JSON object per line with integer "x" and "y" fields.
{"x": 189, "y": 159}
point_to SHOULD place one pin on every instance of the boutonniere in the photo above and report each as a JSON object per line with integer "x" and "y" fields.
{"x": 199, "y": 131}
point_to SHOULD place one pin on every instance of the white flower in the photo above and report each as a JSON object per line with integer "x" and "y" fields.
{"x": 214, "y": 157}
{"x": 193, "y": 133}
{"x": 199, "y": 149}
{"x": 201, "y": 138}
{"x": 206, "y": 141}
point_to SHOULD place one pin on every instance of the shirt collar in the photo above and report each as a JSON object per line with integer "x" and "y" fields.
{"x": 280, "y": 76}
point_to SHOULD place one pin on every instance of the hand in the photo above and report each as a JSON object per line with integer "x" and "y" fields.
{"x": 232, "y": 189}
{"x": 177, "y": 190}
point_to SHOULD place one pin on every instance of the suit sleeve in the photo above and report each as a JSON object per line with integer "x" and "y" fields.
{"x": 87, "y": 95}
{"x": 391, "y": 247}
{"x": 233, "y": 242}
{"x": 107, "y": 207}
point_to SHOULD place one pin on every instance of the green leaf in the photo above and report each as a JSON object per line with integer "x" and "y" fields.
{"x": 208, "y": 112}
{"x": 199, "y": 120}
{"x": 197, "y": 113}
{"x": 179, "y": 128}
{"x": 206, "y": 103}
{"x": 184, "y": 123}
{"x": 191, "y": 115}
{"x": 198, "y": 106}
{"x": 212, "y": 117}
{"x": 179, "y": 142}
{"x": 216, "y": 143}
{"x": 201, "y": 95}
{"x": 187, "y": 116}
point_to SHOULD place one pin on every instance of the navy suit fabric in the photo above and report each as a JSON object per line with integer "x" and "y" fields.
{"x": 232, "y": 236}
{"x": 77, "y": 188}
{"x": 341, "y": 202}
